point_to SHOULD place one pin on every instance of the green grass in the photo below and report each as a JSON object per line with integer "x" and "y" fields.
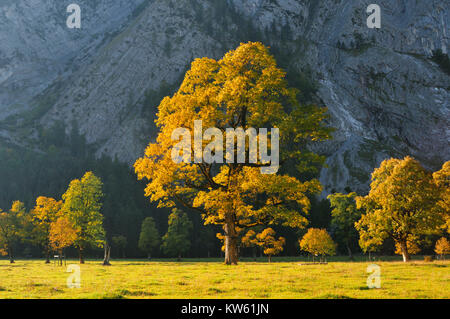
{"x": 211, "y": 279}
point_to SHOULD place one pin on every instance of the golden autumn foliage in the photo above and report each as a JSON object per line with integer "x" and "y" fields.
{"x": 402, "y": 203}
{"x": 266, "y": 240}
{"x": 271, "y": 246}
{"x": 442, "y": 247}
{"x": 248, "y": 240}
{"x": 442, "y": 181}
{"x": 412, "y": 246}
{"x": 43, "y": 215}
{"x": 244, "y": 89}
{"x": 46, "y": 210}
{"x": 318, "y": 243}
{"x": 62, "y": 234}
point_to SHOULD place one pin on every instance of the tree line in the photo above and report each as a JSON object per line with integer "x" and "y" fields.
{"x": 76, "y": 220}
{"x": 56, "y": 158}
{"x": 407, "y": 205}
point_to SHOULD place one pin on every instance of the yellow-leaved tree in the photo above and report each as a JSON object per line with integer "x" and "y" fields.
{"x": 43, "y": 215}
{"x": 402, "y": 204}
{"x": 270, "y": 244}
{"x": 82, "y": 204}
{"x": 62, "y": 235}
{"x": 442, "y": 247}
{"x": 266, "y": 240}
{"x": 243, "y": 90}
{"x": 318, "y": 243}
{"x": 368, "y": 243}
{"x": 442, "y": 181}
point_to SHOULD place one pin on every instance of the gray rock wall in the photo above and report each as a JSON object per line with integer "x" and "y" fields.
{"x": 385, "y": 95}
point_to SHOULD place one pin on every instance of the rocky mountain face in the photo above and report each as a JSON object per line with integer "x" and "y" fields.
{"x": 385, "y": 95}
{"x": 38, "y": 49}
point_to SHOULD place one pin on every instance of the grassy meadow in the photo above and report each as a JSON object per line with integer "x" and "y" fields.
{"x": 209, "y": 278}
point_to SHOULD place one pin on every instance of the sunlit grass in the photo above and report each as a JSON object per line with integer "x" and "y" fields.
{"x": 201, "y": 279}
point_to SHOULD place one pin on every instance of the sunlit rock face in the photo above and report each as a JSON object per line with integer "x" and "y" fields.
{"x": 385, "y": 95}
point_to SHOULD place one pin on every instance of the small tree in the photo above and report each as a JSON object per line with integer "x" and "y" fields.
{"x": 120, "y": 242}
{"x": 43, "y": 215}
{"x": 176, "y": 241}
{"x": 9, "y": 229}
{"x": 82, "y": 204}
{"x": 318, "y": 243}
{"x": 149, "y": 238}
{"x": 61, "y": 235}
{"x": 442, "y": 247}
{"x": 369, "y": 244}
{"x": 344, "y": 216}
{"x": 271, "y": 246}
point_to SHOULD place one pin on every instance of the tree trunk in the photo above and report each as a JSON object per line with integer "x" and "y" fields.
{"x": 11, "y": 255}
{"x": 179, "y": 257}
{"x": 270, "y": 258}
{"x": 405, "y": 253}
{"x": 47, "y": 255}
{"x": 60, "y": 257}
{"x": 350, "y": 255}
{"x": 80, "y": 251}
{"x": 107, "y": 255}
{"x": 231, "y": 249}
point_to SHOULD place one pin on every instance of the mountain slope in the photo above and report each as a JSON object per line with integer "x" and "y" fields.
{"x": 38, "y": 48}
{"x": 385, "y": 95}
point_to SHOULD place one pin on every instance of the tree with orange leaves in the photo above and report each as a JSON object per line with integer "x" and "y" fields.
{"x": 61, "y": 235}
{"x": 442, "y": 247}
{"x": 43, "y": 215}
{"x": 270, "y": 245}
{"x": 244, "y": 90}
